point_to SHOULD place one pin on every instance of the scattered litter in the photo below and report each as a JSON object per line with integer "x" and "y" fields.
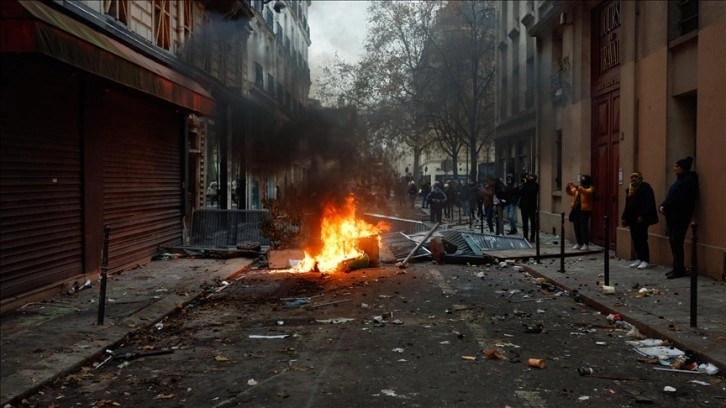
{"x": 468, "y": 358}
{"x": 494, "y": 354}
{"x": 583, "y": 398}
{"x": 668, "y": 388}
{"x": 708, "y": 368}
{"x": 661, "y": 352}
{"x": 277, "y": 336}
{"x": 536, "y": 363}
{"x": 601, "y": 343}
{"x": 252, "y": 382}
{"x": 608, "y": 290}
{"x": 337, "y": 320}
{"x": 159, "y": 326}
{"x": 297, "y": 302}
{"x": 699, "y": 382}
{"x": 397, "y": 350}
{"x": 389, "y": 393}
{"x": 675, "y": 370}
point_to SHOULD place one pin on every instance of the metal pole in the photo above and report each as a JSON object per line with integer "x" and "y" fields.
{"x": 536, "y": 232}
{"x": 104, "y": 276}
{"x": 694, "y": 276}
{"x": 562, "y": 243}
{"x": 606, "y": 251}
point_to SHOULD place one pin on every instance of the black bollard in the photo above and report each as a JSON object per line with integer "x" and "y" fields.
{"x": 606, "y": 251}
{"x": 694, "y": 276}
{"x": 562, "y": 243}
{"x": 536, "y": 233}
{"x": 104, "y": 276}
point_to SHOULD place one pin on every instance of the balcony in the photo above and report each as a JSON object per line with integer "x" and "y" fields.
{"x": 230, "y": 9}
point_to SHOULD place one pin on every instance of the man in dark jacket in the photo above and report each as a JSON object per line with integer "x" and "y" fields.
{"x": 639, "y": 213}
{"x": 678, "y": 208}
{"x": 437, "y": 200}
{"x": 528, "y": 205}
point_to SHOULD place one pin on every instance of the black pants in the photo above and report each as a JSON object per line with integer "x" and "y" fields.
{"x": 436, "y": 210}
{"x": 527, "y": 221}
{"x": 678, "y": 229}
{"x": 639, "y": 235}
{"x": 582, "y": 227}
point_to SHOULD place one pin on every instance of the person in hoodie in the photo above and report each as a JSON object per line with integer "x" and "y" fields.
{"x": 678, "y": 208}
{"x": 639, "y": 214}
{"x": 437, "y": 200}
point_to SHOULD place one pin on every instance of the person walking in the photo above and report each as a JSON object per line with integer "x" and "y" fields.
{"x": 582, "y": 197}
{"x": 487, "y": 203}
{"x": 437, "y": 200}
{"x": 512, "y": 200}
{"x": 528, "y": 205}
{"x": 639, "y": 214}
{"x": 678, "y": 208}
{"x": 425, "y": 190}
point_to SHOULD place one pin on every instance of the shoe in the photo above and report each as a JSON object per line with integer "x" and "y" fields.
{"x": 576, "y": 247}
{"x": 676, "y": 274}
{"x": 644, "y": 265}
{"x": 512, "y": 232}
{"x": 635, "y": 264}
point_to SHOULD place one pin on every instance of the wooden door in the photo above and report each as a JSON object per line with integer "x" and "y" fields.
{"x": 605, "y": 165}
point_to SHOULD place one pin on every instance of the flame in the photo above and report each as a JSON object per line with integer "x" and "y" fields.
{"x": 339, "y": 233}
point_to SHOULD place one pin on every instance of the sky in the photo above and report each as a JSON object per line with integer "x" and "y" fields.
{"x": 335, "y": 25}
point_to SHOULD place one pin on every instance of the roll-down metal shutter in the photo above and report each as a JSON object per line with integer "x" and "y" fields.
{"x": 40, "y": 177}
{"x": 141, "y": 177}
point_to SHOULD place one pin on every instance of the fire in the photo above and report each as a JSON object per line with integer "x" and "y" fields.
{"x": 339, "y": 234}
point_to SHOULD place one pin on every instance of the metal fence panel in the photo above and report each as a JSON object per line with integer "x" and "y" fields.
{"x": 227, "y": 228}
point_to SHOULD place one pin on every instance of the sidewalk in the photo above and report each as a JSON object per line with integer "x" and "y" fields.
{"x": 44, "y": 340}
{"x": 660, "y": 308}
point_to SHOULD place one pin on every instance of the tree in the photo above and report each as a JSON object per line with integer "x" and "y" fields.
{"x": 461, "y": 55}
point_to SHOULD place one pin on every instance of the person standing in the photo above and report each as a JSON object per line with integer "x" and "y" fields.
{"x": 528, "y": 205}
{"x": 582, "y": 197}
{"x": 639, "y": 214}
{"x": 437, "y": 200}
{"x": 501, "y": 199}
{"x": 678, "y": 208}
{"x": 512, "y": 200}
{"x": 425, "y": 190}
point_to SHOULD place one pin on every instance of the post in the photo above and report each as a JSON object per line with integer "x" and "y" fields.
{"x": 562, "y": 243}
{"x": 694, "y": 276}
{"x": 536, "y": 236}
{"x": 606, "y": 251}
{"x": 104, "y": 276}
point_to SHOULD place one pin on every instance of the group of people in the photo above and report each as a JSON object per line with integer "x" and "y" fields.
{"x": 640, "y": 213}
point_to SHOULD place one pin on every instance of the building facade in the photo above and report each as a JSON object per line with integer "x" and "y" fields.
{"x": 114, "y": 112}
{"x": 624, "y": 86}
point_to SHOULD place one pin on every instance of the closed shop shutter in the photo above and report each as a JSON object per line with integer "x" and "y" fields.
{"x": 142, "y": 177}
{"x": 40, "y": 177}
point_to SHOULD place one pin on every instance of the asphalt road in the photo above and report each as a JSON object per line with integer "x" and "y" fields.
{"x": 382, "y": 337}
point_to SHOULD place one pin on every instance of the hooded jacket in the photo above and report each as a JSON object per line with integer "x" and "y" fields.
{"x": 680, "y": 202}
{"x": 585, "y": 194}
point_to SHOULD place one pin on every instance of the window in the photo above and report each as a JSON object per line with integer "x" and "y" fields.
{"x": 271, "y": 85}
{"x": 188, "y": 18}
{"x": 682, "y": 18}
{"x": 259, "y": 79}
{"x": 117, "y": 9}
{"x": 162, "y": 24}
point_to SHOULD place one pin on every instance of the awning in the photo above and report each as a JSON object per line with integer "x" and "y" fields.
{"x": 69, "y": 40}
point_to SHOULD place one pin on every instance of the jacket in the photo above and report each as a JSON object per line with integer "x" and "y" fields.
{"x": 680, "y": 202}
{"x": 586, "y": 196}
{"x": 640, "y": 204}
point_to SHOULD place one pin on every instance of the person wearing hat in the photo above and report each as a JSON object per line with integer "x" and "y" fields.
{"x": 678, "y": 208}
{"x": 639, "y": 214}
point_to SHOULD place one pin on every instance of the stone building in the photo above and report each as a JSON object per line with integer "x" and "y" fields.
{"x": 622, "y": 86}
{"x": 117, "y": 112}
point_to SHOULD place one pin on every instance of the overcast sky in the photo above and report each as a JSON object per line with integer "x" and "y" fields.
{"x": 335, "y": 25}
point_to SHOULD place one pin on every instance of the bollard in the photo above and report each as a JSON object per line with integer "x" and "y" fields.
{"x": 104, "y": 276}
{"x": 694, "y": 276}
{"x": 536, "y": 235}
{"x": 606, "y": 252}
{"x": 562, "y": 243}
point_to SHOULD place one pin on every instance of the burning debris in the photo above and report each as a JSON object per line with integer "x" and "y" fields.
{"x": 346, "y": 242}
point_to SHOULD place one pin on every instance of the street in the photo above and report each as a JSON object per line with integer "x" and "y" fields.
{"x": 427, "y": 335}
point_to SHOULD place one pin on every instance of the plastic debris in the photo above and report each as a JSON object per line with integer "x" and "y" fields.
{"x": 277, "y": 336}
{"x": 297, "y": 302}
{"x": 337, "y": 320}
{"x": 708, "y": 368}
{"x": 668, "y": 388}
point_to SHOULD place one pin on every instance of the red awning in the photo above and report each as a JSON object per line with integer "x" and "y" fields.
{"x": 71, "y": 41}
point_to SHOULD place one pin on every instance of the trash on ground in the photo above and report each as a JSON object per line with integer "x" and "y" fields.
{"x": 276, "y": 336}
{"x": 708, "y": 368}
{"x": 297, "y": 302}
{"x": 468, "y": 358}
{"x": 337, "y": 320}
{"x": 494, "y": 354}
{"x": 668, "y": 388}
{"x": 536, "y": 363}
